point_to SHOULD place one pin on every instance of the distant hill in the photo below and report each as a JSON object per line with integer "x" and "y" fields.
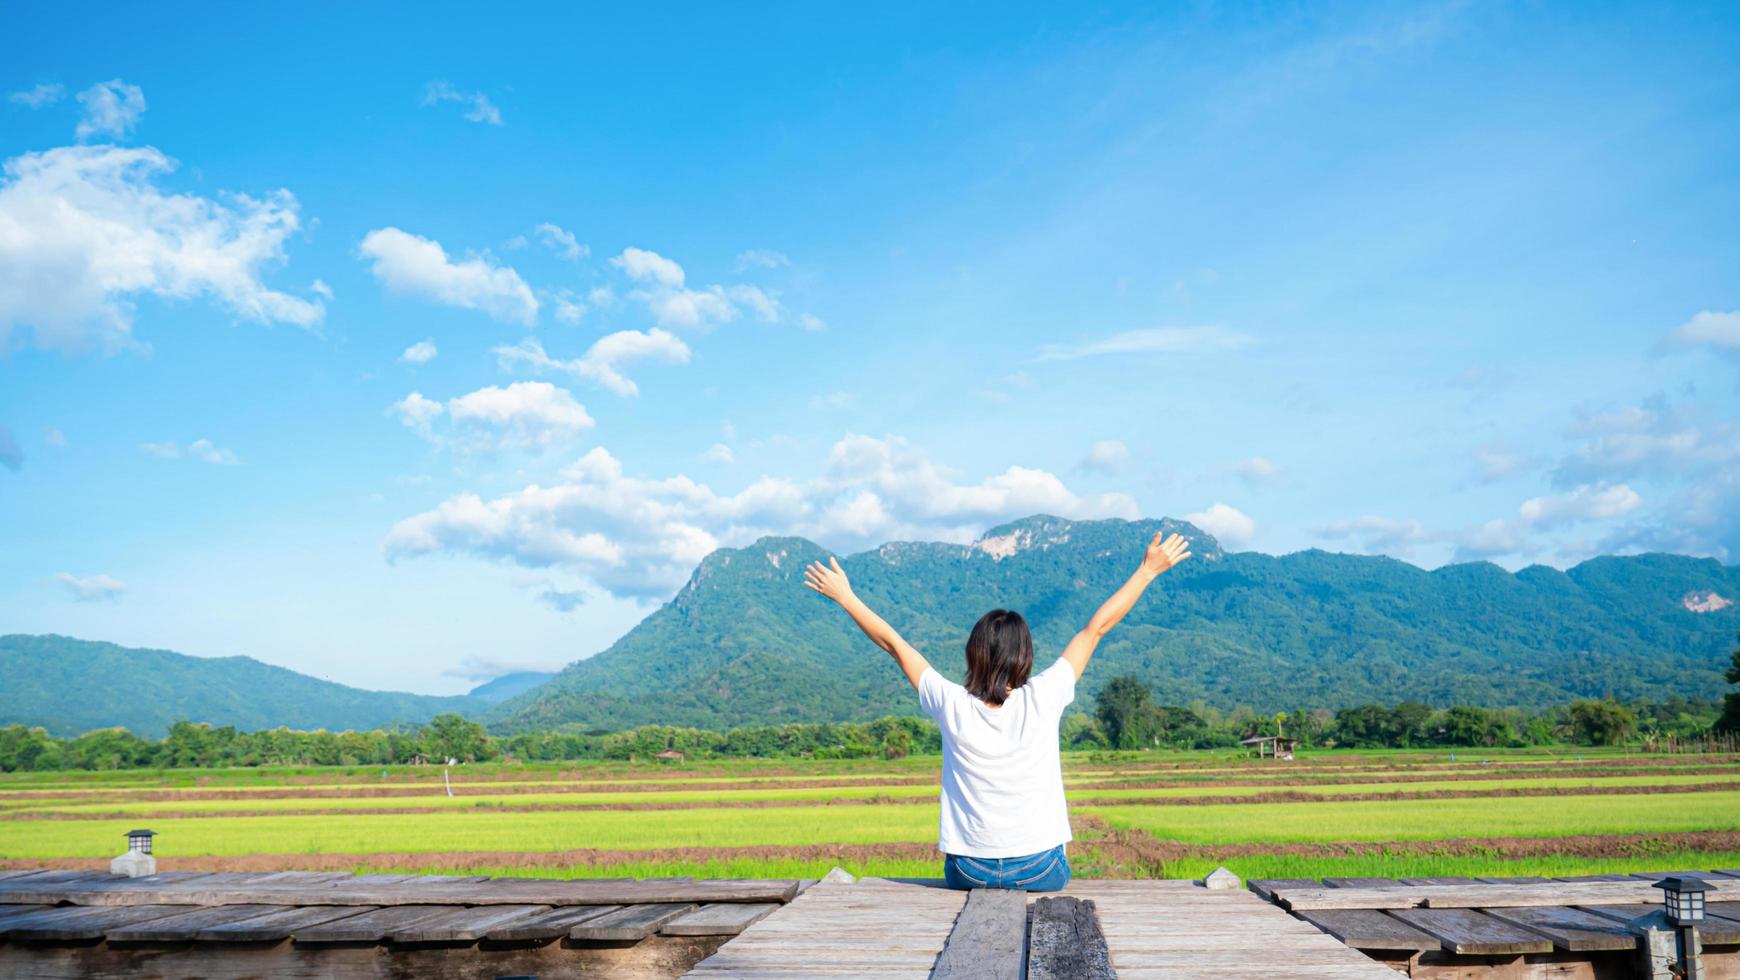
{"x": 745, "y": 643}
{"x": 508, "y": 685}
{"x": 71, "y": 686}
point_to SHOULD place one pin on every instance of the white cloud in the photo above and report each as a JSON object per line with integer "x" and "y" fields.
{"x": 644, "y": 266}
{"x": 1648, "y": 440}
{"x": 1157, "y": 340}
{"x": 1257, "y": 471}
{"x": 11, "y": 456}
{"x": 719, "y": 453}
{"x": 663, "y": 292}
{"x": 44, "y": 93}
{"x": 1720, "y": 331}
{"x": 201, "y": 450}
{"x": 1229, "y": 525}
{"x": 761, "y": 258}
{"x": 408, "y": 263}
{"x": 321, "y": 289}
{"x": 525, "y": 414}
{"x": 112, "y": 109}
{"x": 568, "y": 309}
{"x": 1493, "y": 539}
{"x": 478, "y": 108}
{"x": 91, "y": 588}
{"x": 530, "y": 415}
{"x": 561, "y": 241}
{"x": 421, "y": 352}
{"x": 603, "y": 361}
{"x": 1589, "y": 502}
{"x": 1106, "y": 456}
{"x": 830, "y": 401}
{"x": 809, "y": 321}
{"x": 54, "y": 436}
{"x": 757, "y": 300}
{"x": 1375, "y": 534}
{"x": 84, "y": 230}
{"x": 642, "y": 537}
{"x": 417, "y": 413}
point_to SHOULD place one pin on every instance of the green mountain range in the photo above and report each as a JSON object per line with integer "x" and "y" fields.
{"x": 70, "y": 686}
{"x": 745, "y": 643}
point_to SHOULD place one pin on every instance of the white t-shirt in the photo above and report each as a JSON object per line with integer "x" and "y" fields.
{"x": 1002, "y": 777}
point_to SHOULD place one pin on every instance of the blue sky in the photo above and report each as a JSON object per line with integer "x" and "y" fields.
{"x": 403, "y": 350}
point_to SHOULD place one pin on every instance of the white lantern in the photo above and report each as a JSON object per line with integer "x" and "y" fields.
{"x": 1683, "y": 899}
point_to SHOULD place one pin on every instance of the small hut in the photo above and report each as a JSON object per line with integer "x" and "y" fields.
{"x": 670, "y": 754}
{"x": 1275, "y": 746}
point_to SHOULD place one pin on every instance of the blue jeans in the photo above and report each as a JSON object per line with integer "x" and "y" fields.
{"x": 1046, "y": 871}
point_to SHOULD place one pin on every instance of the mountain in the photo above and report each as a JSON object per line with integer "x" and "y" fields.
{"x": 745, "y": 643}
{"x": 508, "y": 685}
{"x": 71, "y": 686}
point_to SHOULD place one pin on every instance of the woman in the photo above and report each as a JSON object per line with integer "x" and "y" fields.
{"x": 1004, "y": 821}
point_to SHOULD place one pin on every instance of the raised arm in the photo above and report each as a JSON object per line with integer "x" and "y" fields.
{"x": 830, "y": 580}
{"x": 1161, "y": 555}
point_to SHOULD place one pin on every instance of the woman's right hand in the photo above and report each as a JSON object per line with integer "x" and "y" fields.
{"x": 829, "y": 580}
{"x": 1164, "y": 554}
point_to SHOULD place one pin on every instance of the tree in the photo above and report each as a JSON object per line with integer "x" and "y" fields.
{"x": 1125, "y": 711}
{"x": 450, "y": 736}
{"x": 1600, "y": 722}
{"x": 1730, "y": 720}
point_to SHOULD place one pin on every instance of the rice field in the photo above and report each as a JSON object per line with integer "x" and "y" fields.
{"x": 1136, "y": 815}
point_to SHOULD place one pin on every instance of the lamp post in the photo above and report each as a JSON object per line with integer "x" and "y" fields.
{"x": 1683, "y": 902}
{"x": 137, "y": 862}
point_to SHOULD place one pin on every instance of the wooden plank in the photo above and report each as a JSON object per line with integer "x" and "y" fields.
{"x": 7, "y": 911}
{"x": 1518, "y": 880}
{"x": 1471, "y": 896}
{"x": 282, "y": 923}
{"x": 550, "y": 925}
{"x": 1265, "y": 887}
{"x": 1570, "y": 929}
{"x": 1362, "y": 883}
{"x": 988, "y": 939}
{"x": 720, "y": 919}
{"x": 370, "y": 926}
{"x": 633, "y": 922}
{"x": 183, "y": 927}
{"x": 1370, "y": 929}
{"x": 402, "y": 889}
{"x": 78, "y": 923}
{"x": 1447, "y": 880}
{"x": 1470, "y": 932}
{"x": 464, "y": 925}
{"x": 1066, "y": 943}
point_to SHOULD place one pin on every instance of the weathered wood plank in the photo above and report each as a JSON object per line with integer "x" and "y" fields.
{"x": 284, "y": 923}
{"x": 1570, "y": 929}
{"x": 370, "y": 927}
{"x": 464, "y": 925}
{"x": 988, "y": 938}
{"x": 7, "y": 911}
{"x": 1369, "y": 929}
{"x": 633, "y": 922}
{"x": 1517, "y": 880}
{"x": 718, "y": 919}
{"x": 402, "y": 889}
{"x": 1470, "y": 932}
{"x": 1446, "y": 880}
{"x": 183, "y": 927}
{"x": 1362, "y": 883}
{"x": 1471, "y": 896}
{"x": 1065, "y": 942}
{"x": 1265, "y": 887}
{"x": 79, "y": 923}
{"x": 549, "y": 925}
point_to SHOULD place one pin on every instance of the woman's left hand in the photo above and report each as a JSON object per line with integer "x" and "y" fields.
{"x": 829, "y": 580}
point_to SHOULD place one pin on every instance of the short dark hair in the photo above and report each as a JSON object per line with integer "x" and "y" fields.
{"x": 999, "y": 655}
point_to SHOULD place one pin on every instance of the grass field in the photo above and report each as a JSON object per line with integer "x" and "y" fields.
{"x": 1136, "y": 815}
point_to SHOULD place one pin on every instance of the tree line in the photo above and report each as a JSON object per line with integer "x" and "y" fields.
{"x": 1125, "y": 715}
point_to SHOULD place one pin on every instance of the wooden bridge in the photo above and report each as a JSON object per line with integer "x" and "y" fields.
{"x": 286, "y": 925}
